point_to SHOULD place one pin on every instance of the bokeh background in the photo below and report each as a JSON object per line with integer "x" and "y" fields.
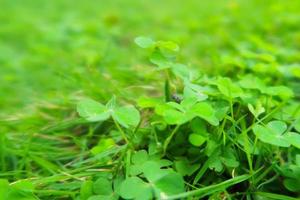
{"x": 53, "y": 51}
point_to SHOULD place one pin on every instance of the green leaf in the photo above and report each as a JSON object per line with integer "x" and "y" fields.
{"x": 103, "y": 145}
{"x": 293, "y": 138}
{"x": 193, "y": 91}
{"x": 256, "y": 111}
{"x": 139, "y": 157}
{"x": 181, "y": 70}
{"x": 198, "y": 126}
{"x": 229, "y": 162}
{"x": 272, "y": 133}
{"x": 292, "y": 184}
{"x": 216, "y": 164}
{"x": 169, "y": 45}
{"x": 140, "y": 160}
{"x": 86, "y": 190}
{"x": 281, "y": 91}
{"x": 152, "y": 171}
{"x": 92, "y": 110}
{"x": 158, "y": 59}
{"x": 127, "y": 116}
{"x": 102, "y": 186}
{"x": 144, "y": 42}
{"x": 277, "y": 127}
{"x": 135, "y": 188}
{"x": 228, "y": 158}
{"x": 135, "y": 170}
{"x": 4, "y": 189}
{"x": 24, "y": 185}
{"x": 228, "y": 88}
{"x": 197, "y": 139}
{"x": 171, "y": 114}
{"x": 170, "y": 184}
{"x": 176, "y": 106}
{"x": 21, "y": 190}
{"x": 205, "y": 111}
{"x": 145, "y": 102}
{"x": 168, "y": 48}
{"x": 184, "y": 167}
{"x": 164, "y": 181}
{"x": 211, "y": 146}
{"x": 111, "y": 104}
{"x": 252, "y": 82}
{"x": 222, "y": 110}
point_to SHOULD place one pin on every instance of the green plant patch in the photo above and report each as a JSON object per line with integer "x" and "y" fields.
{"x": 204, "y": 104}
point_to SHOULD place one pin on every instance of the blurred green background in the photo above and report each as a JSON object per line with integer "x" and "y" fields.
{"x": 51, "y": 52}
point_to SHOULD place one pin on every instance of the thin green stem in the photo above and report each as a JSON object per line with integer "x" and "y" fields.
{"x": 128, "y": 158}
{"x": 121, "y": 131}
{"x": 231, "y": 108}
{"x": 264, "y": 174}
{"x": 168, "y": 140}
{"x": 167, "y": 86}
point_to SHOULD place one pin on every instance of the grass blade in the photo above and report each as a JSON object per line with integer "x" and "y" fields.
{"x": 275, "y": 196}
{"x": 201, "y": 192}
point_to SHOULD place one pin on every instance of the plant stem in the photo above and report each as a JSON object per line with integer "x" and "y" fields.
{"x": 168, "y": 140}
{"x": 247, "y": 147}
{"x": 2, "y": 156}
{"x": 121, "y": 131}
{"x": 128, "y": 158}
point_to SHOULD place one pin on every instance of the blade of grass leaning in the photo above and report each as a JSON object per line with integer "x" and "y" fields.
{"x": 275, "y": 196}
{"x": 201, "y": 192}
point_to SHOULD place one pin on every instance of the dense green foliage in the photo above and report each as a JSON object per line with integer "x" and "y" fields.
{"x": 149, "y": 100}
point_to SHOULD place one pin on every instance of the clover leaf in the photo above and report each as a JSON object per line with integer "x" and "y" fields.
{"x": 292, "y": 184}
{"x": 93, "y": 111}
{"x": 205, "y": 111}
{"x": 139, "y": 158}
{"x": 281, "y": 91}
{"x": 192, "y": 93}
{"x": 157, "y": 181}
{"x": 184, "y": 167}
{"x": 127, "y": 116}
{"x": 175, "y": 113}
{"x": 86, "y": 190}
{"x": 291, "y": 172}
{"x": 144, "y": 42}
{"x": 197, "y": 139}
{"x": 169, "y": 184}
{"x": 135, "y": 188}
{"x": 102, "y": 186}
{"x": 293, "y": 138}
{"x": 225, "y": 157}
{"x": 228, "y": 88}
{"x": 252, "y": 82}
{"x": 256, "y": 111}
{"x": 272, "y": 133}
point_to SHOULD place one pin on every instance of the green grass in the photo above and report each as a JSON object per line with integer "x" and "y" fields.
{"x": 208, "y": 108}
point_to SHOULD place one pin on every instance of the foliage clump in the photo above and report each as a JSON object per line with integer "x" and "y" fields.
{"x": 231, "y": 135}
